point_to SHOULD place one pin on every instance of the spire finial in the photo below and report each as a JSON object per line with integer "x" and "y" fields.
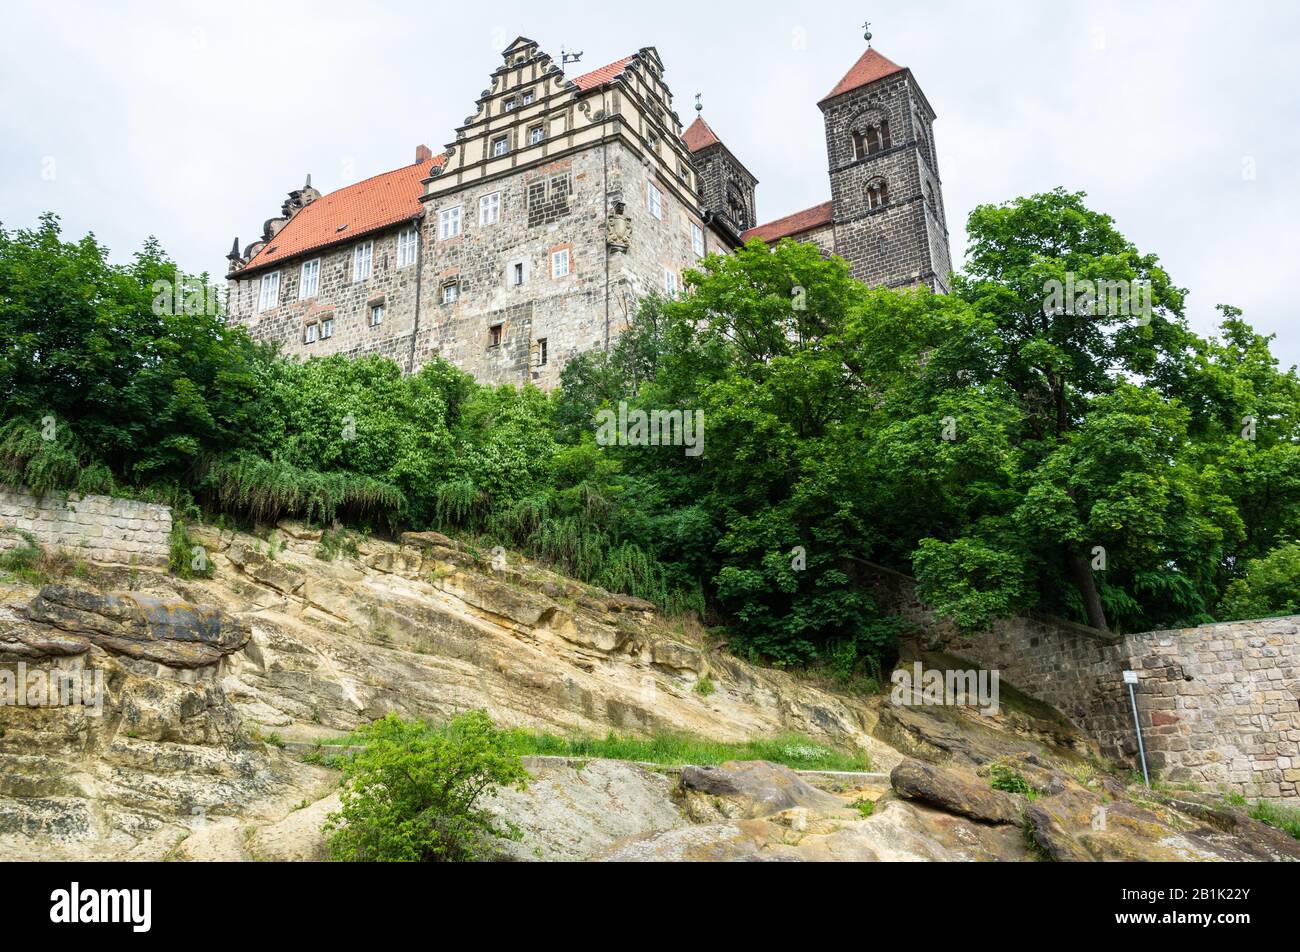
{"x": 699, "y": 106}
{"x": 866, "y": 32}
{"x": 308, "y": 185}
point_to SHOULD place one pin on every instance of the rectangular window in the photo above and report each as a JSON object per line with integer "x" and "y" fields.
{"x": 516, "y": 274}
{"x": 309, "y": 283}
{"x": 450, "y": 292}
{"x": 560, "y": 263}
{"x": 311, "y": 334}
{"x": 494, "y": 336}
{"x": 500, "y": 145}
{"x": 376, "y": 315}
{"x": 361, "y": 260}
{"x": 535, "y": 135}
{"x": 510, "y": 104}
{"x": 489, "y": 209}
{"x": 697, "y": 240}
{"x": 528, "y": 97}
{"x": 541, "y": 352}
{"x": 670, "y": 282}
{"x": 408, "y": 243}
{"x": 327, "y": 328}
{"x": 448, "y": 223}
{"x": 270, "y": 294}
{"x": 654, "y": 200}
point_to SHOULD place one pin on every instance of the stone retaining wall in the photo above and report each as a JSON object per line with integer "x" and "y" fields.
{"x": 96, "y": 528}
{"x": 1219, "y": 704}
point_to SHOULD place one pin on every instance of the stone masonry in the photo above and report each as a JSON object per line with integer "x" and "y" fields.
{"x": 1219, "y": 704}
{"x": 96, "y": 528}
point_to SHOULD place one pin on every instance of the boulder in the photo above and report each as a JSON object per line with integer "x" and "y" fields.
{"x": 170, "y": 632}
{"x": 949, "y": 791}
{"x": 751, "y": 789}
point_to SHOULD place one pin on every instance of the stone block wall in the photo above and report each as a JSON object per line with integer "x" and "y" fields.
{"x": 96, "y": 528}
{"x": 1219, "y": 704}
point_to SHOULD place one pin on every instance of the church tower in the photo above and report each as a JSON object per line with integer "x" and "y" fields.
{"x": 726, "y": 186}
{"x": 887, "y": 203}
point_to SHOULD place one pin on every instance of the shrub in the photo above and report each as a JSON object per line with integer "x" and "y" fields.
{"x": 1010, "y": 780}
{"x": 1271, "y": 586}
{"x": 411, "y": 794}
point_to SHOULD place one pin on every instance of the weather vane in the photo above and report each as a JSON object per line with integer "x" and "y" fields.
{"x": 567, "y": 56}
{"x": 866, "y": 32}
{"x": 699, "y": 106}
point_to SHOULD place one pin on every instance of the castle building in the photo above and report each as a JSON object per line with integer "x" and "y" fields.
{"x": 560, "y": 204}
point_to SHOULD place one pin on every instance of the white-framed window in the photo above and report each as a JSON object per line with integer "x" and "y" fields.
{"x": 510, "y": 104}
{"x": 362, "y": 258}
{"x": 270, "y": 292}
{"x": 670, "y": 282}
{"x": 654, "y": 200}
{"x": 697, "y": 240}
{"x": 535, "y": 135}
{"x": 489, "y": 208}
{"x": 542, "y": 352}
{"x": 500, "y": 146}
{"x": 560, "y": 263}
{"x": 449, "y": 223}
{"x": 327, "y": 328}
{"x": 450, "y": 292}
{"x": 527, "y": 97}
{"x": 408, "y": 245}
{"x": 376, "y": 315}
{"x": 311, "y": 334}
{"x": 309, "y": 283}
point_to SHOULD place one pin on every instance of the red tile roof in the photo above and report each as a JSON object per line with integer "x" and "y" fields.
{"x": 367, "y": 206}
{"x": 699, "y": 135}
{"x": 605, "y": 74}
{"x": 792, "y": 225}
{"x": 870, "y": 67}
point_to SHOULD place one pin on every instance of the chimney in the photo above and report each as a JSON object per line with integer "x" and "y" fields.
{"x": 422, "y": 153}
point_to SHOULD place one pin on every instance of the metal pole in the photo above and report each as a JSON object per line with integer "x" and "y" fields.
{"x": 1138, "y": 727}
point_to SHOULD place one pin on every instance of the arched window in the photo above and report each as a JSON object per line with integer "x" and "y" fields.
{"x": 871, "y": 137}
{"x": 877, "y": 194}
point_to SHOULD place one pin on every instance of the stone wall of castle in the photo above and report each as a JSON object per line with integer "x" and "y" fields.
{"x": 96, "y": 528}
{"x": 1219, "y": 704}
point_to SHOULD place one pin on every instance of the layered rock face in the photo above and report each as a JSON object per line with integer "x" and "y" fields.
{"x": 193, "y": 675}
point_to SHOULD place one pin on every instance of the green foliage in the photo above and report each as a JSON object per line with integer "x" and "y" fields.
{"x": 1010, "y": 780}
{"x": 864, "y": 806}
{"x": 185, "y": 557}
{"x": 23, "y": 559}
{"x": 793, "y": 750}
{"x": 1270, "y": 586}
{"x": 1286, "y": 819}
{"x": 412, "y": 794}
{"x": 337, "y": 542}
{"x": 704, "y": 686}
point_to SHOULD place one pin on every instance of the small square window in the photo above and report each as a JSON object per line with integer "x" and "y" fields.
{"x": 541, "y": 352}
{"x": 376, "y": 315}
{"x": 450, "y": 292}
{"x": 327, "y": 328}
{"x": 500, "y": 145}
{"x": 535, "y": 135}
{"x": 494, "y": 336}
{"x": 560, "y": 263}
{"x": 527, "y": 97}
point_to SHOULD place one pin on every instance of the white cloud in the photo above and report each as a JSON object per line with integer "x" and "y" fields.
{"x": 191, "y": 120}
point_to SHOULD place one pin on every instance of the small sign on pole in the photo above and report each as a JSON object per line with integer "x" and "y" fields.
{"x": 1131, "y": 678}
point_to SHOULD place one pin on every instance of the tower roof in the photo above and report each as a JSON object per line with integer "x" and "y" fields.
{"x": 699, "y": 135}
{"x": 870, "y": 67}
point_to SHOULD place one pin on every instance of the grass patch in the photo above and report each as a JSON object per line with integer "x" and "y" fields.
{"x": 1008, "y": 780}
{"x": 704, "y": 686}
{"x": 792, "y": 750}
{"x": 1286, "y": 819}
{"x": 864, "y": 806}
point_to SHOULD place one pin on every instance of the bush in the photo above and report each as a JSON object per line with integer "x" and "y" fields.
{"x": 1271, "y": 586}
{"x": 411, "y": 794}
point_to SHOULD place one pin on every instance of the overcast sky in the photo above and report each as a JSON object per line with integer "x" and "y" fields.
{"x": 191, "y": 121}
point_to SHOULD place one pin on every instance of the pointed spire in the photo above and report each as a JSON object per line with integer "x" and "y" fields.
{"x": 234, "y": 251}
{"x": 308, "y": 185}
{"x": 870, "y": 67}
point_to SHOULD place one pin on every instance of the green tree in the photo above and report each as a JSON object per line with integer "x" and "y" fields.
{"x": 412, "y": 794}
